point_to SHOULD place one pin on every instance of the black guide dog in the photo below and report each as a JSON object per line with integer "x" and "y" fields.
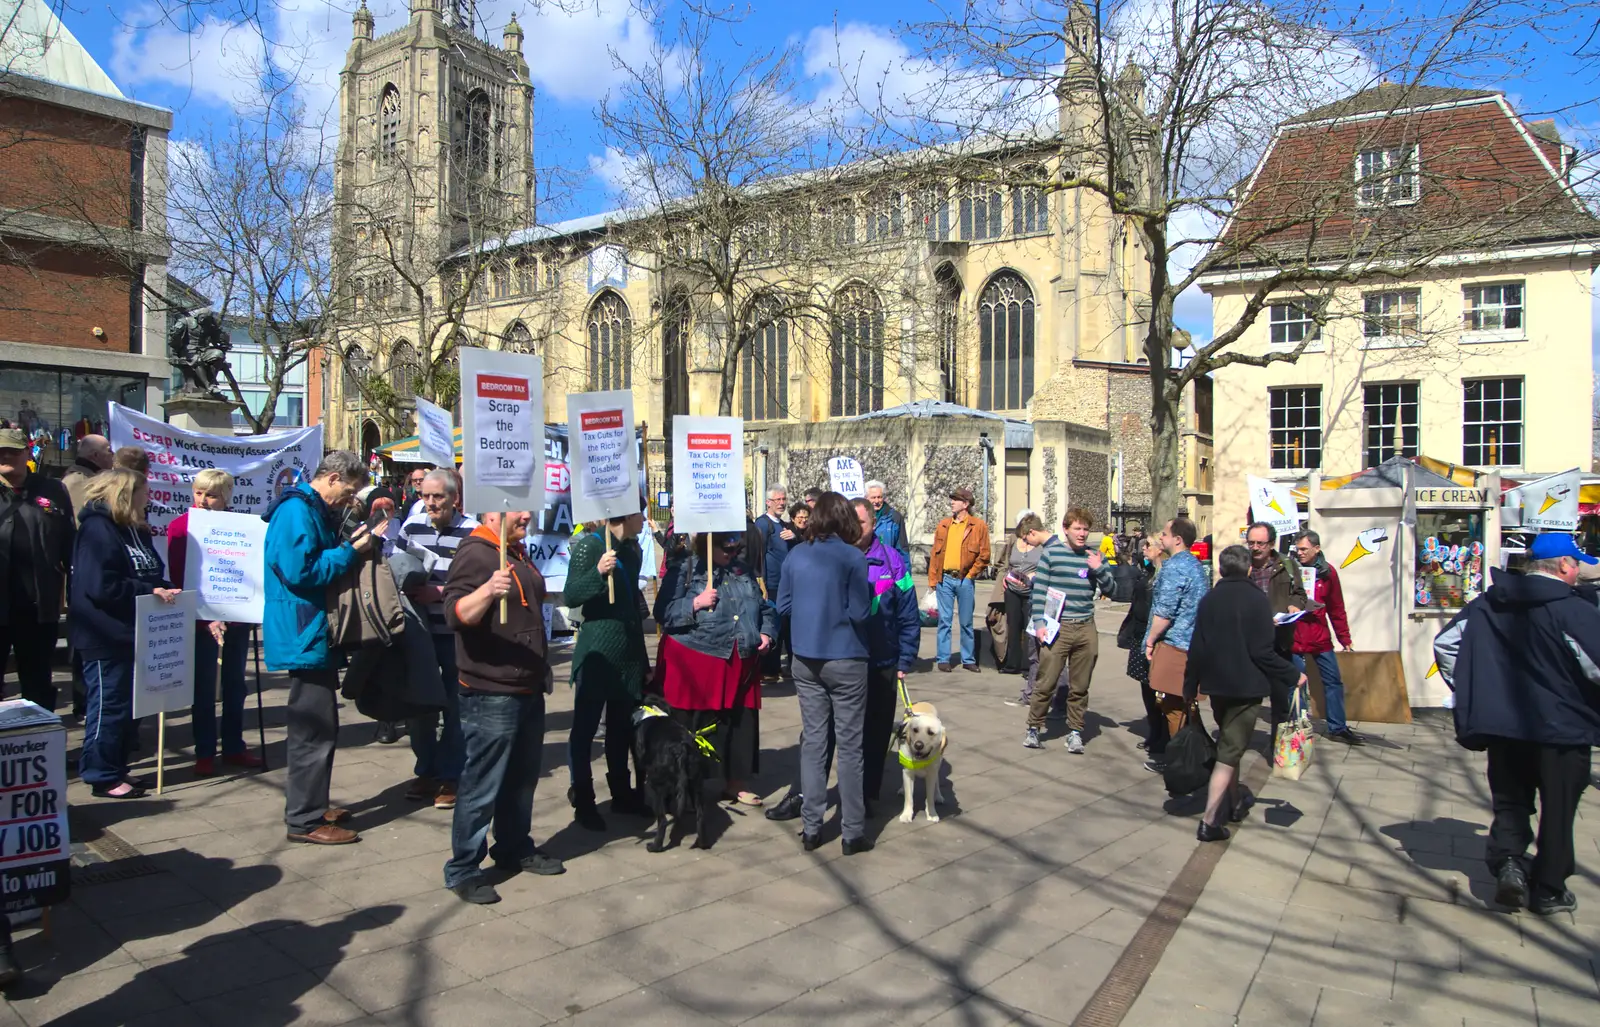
{"x": 672, "y": 771}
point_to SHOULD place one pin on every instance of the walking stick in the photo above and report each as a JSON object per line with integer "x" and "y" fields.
{"x": 261, "y": 722}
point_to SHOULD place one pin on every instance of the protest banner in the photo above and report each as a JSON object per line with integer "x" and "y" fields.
{"x": 845, "y": 477}
{"x": 1273, "y": 503}
{"x": 163, "y": 664}
{"x": 225, "y": 565}
{"x": 502, "y": 407}
{"x": 604, "y": 468}
{"x": 708, "y": 473}
{"x": 263, "y": 466}
{"x": 436, "y": 434}
{"x": 35, "y": 846}
{"x": 550, "y": 531}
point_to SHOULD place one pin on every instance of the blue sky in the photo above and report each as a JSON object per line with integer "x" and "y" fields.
{"x": 194, "y": 68}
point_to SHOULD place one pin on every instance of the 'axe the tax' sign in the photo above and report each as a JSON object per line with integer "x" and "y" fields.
{"x": 502, "y": 431}
{"x": 602, "y": 453}
{"x": 708, "y": 473}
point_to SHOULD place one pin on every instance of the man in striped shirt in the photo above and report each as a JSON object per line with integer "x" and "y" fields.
{"x": 432, "y": 535}
{"x": 1067, "y": 578}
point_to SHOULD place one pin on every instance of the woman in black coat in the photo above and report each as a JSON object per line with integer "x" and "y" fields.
{"x": 1130, "y": 636}
{"x": 1232, "y": 660}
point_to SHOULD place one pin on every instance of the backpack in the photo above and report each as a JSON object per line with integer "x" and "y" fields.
{"x": 1123, "y": 577}
{"x": 1190, "y": 756}
{"x": 364, "y": 606}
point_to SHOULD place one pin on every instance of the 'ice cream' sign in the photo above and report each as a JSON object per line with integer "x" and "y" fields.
{"x": 708, "y": 473}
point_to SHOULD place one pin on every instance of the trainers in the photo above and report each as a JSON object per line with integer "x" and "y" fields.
{"x": 446, "y": 799}
{"x": 248, "y": 760}
{"x": 1013, "y": 702}
{"x": 1549, "y": 905}
{"x": 1155, "y": 766}
{"x": 1031, "y": 739}
{"x": 476, "y": 891}
{"x": 537, "y": 862}
{"x": 1511, "y": 888}
{"x": 205, "y": 766}
{"x": 1074, "y": 742}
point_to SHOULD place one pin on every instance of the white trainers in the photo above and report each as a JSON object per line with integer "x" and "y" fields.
{"x": 1031, "y": 739}
{"x": 1074, "y": 742}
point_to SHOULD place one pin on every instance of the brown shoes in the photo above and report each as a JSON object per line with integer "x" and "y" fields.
{"x": 446, "y": 799}
{"x": 327, "y": 834}
{"x": 336, "y": 815}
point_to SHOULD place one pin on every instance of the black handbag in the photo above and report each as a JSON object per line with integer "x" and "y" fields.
{"x": 1190, "y": 755}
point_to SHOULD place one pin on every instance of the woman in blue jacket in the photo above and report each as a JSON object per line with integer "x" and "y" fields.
{"x": 828, "y": 629}
{"x": 114, "y": 563}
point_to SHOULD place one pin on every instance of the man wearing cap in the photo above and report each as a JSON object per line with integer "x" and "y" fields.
{"x": 36, "y": 537}
{"x": 1524, "y": 662}
{"x": 960, "y": 554}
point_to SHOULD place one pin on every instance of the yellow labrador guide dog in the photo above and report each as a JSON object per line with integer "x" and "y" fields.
{"x": 922, "y": 744}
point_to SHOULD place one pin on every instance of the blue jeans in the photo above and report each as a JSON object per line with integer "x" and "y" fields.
{"x": 203, "y": 717}
{"x": 504, "y": 737}
{"x": 440, "y": 753}
{"x": 1332, "y": 688}
{"x": 587, "y": 709}
{"x": 108, "y": 723}
{"x": 954, "y": 592}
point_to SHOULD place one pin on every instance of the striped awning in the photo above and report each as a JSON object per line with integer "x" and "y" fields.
{"x": 409, "y": 449}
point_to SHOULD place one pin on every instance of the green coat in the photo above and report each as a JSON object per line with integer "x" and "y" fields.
{"x": 610, "y": 654}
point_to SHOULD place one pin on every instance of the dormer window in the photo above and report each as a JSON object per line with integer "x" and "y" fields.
{"x": 1387, "y": 177}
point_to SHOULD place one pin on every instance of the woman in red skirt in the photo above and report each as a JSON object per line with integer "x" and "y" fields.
{"x": 708, "y": 669}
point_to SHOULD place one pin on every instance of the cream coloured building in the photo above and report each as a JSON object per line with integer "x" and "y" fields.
{"x": 1464, "y": 334}
{"x": 929, "y": 287}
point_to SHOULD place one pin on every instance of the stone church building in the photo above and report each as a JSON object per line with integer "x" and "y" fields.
{"x": 1010, "y": 319}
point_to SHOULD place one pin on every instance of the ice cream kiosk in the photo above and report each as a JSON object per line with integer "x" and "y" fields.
{"x": 1412, "y": 547}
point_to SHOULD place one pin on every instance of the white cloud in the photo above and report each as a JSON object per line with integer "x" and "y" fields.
{"x": 218, "y": 61}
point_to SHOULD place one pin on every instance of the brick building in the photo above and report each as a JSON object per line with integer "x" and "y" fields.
{"x": 83, "y": 248}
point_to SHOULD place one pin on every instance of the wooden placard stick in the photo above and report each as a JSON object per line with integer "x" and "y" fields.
{"x": 611, "y": 579}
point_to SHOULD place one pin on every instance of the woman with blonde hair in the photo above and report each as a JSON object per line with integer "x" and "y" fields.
{"x": 220, "y": 649}
{"x": 114, "y": 563}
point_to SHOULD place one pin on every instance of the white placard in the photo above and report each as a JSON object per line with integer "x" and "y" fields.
{"x": 1551, "y": 504}
{"x": 845, "y": 477}
{"x": 436, "y": 434}
{"x": 226, "y": 565}
{"x": 1273, "y": 503}
{"x": 502, "y": 435}
{"x": 163, "y": 650}
{"x": 35, "y": 846}
{"x": 263, "y": 466}
{"x": 708, "y": 473}
{"x": 601, "y": 452}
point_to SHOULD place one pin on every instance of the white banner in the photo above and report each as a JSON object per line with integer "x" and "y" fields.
{"x": 1551, "y": 504}
{"x": 845, "y": 477}
{"x": 163, "y": 654}
{"x": 35, "y": 847}
{"x": 225, "y": 565}
{"x": 502, "y": 455}
{"x": 263, "y": 466}
{"x": 436, "y": 434}
{"x": 603, "y": 455}
{"x": 708, "y": 473}
{"x": 1273, "y": 502}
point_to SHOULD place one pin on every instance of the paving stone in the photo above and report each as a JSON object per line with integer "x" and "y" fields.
{"x": 393, "y": 977}
{"x": 301, "y": 999}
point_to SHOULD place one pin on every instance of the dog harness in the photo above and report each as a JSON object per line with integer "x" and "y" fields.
{"x": 906, "y": 761}
{"x": 701, "y": 742}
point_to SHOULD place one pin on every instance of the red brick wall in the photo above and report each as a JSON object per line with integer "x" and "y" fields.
{"x": 57, "y": 297}
{"x": 62, "y": 162}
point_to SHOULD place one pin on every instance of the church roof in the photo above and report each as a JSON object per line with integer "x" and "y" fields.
{"x": 34, "y": 43}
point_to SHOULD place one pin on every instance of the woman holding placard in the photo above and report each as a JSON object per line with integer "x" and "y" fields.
{"x": 114, "y": 563}
{"x": 220, "y": 649}
{"x": 609, "y": 661}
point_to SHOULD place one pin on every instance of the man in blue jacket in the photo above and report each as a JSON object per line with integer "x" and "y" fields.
{"x": 890, "y": 524}
{"x": 304, "y": 555}
{"x": 1524, "y": 661}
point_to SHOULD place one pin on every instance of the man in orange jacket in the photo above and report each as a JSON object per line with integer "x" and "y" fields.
{"x": 960, "y": 555}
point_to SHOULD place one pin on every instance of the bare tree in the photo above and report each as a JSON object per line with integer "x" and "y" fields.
{"x": 1165, "y": 110}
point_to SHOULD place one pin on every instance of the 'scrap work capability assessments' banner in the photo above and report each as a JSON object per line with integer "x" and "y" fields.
{"x": 605, "y": 480}
{"x": 708, "y": 473}
{"x": 502, "y": 452}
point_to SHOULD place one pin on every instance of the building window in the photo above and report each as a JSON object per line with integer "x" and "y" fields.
{"x": 1491, "y": 423}
{"x": 525, "y": 276}
{"x": 1005, "y": 343}
{"x": 389, "y": 125}
{"x": 1292, "y": 324}
{"x": 552, "y": 273}
{"x": 885, "y": 218}
{"x": 137, "y": 141}
{"x": 1030, "y": 206}
{"x": 500, "y": 279}
{"x": 838, "y": 224}
{"x": 764, "y": 369}
{"x": 1387, "y": 176}
{"x": 675, "y": 342}
{"x": 947, "y": 333}
{"x": 980, "y": 211}
{"x": 1493, "y": 308}
{"x": 1390, "y": 421}
{"x": 404, "y": 373}
{"x": 857, "y": 353}
{"x": 933, "y": 211}
{"x": 1390, "y": 315}
{"x": 518, "y": 339}
{"x": 1295, "y": 432}
{"x": 355, "y": 368}
{"x": 478, "y": 132}
{"x": 610, "y": 328}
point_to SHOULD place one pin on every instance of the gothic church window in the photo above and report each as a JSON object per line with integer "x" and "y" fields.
{"x": 355, "y": 368}
{"x": 610, "y": 327}
{"x": 1005, "y": 343}
{"x": 404, "y": 371}
{"x": 857, "y": 353}
{"x": 518, "y": 338}
{"x": 764, "y": 367}
{"x": 948, "y": 333}
{"x": 980, "y": 211}
{"x": 389, "y": 125}
{"x": 1030, "y": 205}
{"x": 478, "y": 132}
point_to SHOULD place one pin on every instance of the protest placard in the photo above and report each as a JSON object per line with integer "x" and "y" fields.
{"x": 35, "y": 846}
{"x": 502, "y": 433}
{"x": 708, "y": 473}
{"x": 163, "y": 654}
{"x": 263, "y": 466}
{"x": 845, "y": 477}
{"x": 436, "y": 434}
{"x": 225, "y": 566}
{"x": 602, "y": 455}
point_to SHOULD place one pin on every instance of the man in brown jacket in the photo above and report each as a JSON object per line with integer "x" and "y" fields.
{"x": 960, "y": 555}
{"x": 1286, "y": 593}
{"x": 498, "y": 616}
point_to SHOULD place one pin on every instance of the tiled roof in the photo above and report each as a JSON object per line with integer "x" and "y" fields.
{"x": 1388, "y": 97}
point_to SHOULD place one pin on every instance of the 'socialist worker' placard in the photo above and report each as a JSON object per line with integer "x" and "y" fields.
{"x": 708, "y": 473}
{"x": 35, "y": 848}
{"x": 605, "y": 480}
{"x": 502, "y": 437}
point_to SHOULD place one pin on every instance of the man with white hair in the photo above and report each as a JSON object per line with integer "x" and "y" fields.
{"x": 891, "y": 524}
{"x": 93, "y": 456}
{"x": 432, "y": 534}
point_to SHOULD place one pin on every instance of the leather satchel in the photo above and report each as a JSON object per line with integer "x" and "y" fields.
{"x": 364, "y": 607}
{"x": 1167, "y": 668}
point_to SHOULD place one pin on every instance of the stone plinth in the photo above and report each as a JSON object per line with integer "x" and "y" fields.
{"x": 200, "y": 413}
